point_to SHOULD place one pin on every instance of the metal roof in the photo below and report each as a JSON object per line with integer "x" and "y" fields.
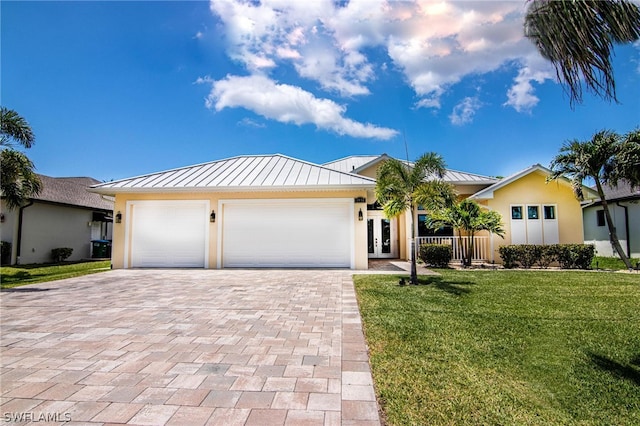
{"x": 350, "y": 164}
{"x": 356, "y": 163}
{"x": 250, "y": 172}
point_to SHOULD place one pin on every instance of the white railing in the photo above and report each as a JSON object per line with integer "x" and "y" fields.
{"x": 458, "y": 244}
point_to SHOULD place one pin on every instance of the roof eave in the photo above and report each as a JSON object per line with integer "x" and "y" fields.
{"x": 289, "y": 188}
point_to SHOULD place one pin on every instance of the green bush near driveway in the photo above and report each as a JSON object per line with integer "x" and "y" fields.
{"x": 19, "y": 275}
{"x": 505, "y": 347}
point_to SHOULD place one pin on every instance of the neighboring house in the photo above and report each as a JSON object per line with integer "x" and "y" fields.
{"x": 624, "y": 206}
{"x": 64, "y": 214}
{"x": 278, "y": 211}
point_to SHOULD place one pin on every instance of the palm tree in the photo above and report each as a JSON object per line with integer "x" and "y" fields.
{"x": 606, "y": 159}
{"x": 399, "y": 183}
{"x": 18, "y": 181}
{"x": 577, "y": 36}
{"x": 14, "y": 128}
{"x": 466, "y": 217}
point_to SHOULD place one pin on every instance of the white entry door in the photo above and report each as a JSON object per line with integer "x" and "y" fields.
{"x": 382, "y": 236}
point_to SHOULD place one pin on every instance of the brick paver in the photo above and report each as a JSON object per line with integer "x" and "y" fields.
{"x": 206, "y": 347}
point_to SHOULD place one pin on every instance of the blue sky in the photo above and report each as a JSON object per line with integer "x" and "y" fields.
{"x": 118, "y": 89}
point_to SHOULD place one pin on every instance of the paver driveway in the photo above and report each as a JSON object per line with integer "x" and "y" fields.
{"x": 186, "y": 347}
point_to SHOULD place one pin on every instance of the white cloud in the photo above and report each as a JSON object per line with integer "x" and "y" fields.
{"x": 463, "y": 112}
{"x": 288, "y": 104}
{"x": 247, "y": 122}
{"x": 342, "y": 46}
{"x": 521, "y": 96}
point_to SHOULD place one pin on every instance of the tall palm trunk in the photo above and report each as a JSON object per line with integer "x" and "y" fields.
{"x": 613, "y": 235}
{"x": 414, "y": 269}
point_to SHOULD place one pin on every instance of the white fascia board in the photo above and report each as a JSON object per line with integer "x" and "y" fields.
{"x": 133, "y": 190}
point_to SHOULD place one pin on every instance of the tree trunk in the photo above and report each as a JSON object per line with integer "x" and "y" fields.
{"x": 463, "y": 253}
{"x": 414, "y": 272}
{"x": 613, "y": 235}
{"x": 470, "y": 249}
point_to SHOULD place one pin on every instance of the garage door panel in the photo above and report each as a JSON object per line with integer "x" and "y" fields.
{"x": 169, "y": 234}
{"x": 288, "y": 234}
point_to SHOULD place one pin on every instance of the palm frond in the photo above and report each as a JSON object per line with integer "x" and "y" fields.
{"x": 13, "y": 127}
{"x": 578, "y": 38}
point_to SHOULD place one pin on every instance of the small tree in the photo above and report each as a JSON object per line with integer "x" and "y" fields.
{"x": 607, "y": 159}
{"x": 467, "y": 217}
{"x": 399, "y": 186}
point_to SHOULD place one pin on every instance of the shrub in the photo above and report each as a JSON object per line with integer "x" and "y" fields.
{"x": 528, "y": 254}
{"x": 575, "y": 256}
{"x": 569, "y": 256}
{"x": 509, "y": 255}
{"x": 61, "y": 254}
{"x": 548, "y": 255}
{"x": 5, "y": 252}
{"x": 436, "y": 255}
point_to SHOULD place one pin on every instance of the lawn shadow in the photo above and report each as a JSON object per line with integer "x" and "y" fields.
{"x": 457, "y": 288}
{"x": 622, "y": 371}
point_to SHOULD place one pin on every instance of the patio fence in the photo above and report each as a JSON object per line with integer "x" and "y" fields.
{"x": 459, "y": 245}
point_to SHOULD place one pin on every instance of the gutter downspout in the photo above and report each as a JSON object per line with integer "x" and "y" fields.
{"x": 19, "y": 239}
{"x": 626, "y": 226}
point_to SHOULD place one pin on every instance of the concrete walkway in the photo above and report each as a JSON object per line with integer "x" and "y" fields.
{"x": 186, "y": 347}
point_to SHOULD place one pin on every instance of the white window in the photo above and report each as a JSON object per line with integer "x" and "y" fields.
{"x": 529, "y": 227}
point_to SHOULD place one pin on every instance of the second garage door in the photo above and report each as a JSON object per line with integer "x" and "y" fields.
{"x": 285, "y": 233}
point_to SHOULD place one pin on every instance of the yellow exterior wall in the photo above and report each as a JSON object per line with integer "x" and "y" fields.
{"x": 119, "y": 229}
{"x": 533, "y": 189}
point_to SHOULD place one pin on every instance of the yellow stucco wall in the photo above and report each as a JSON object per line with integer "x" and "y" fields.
{"x": 119, "y": 230}
{"x": 533, "y": 189}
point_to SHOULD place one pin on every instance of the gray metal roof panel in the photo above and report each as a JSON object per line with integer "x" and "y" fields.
{"x": 243, "y": 173}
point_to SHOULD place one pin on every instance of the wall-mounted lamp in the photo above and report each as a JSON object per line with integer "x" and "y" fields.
{"x": 2, "y": 217}
{"x": 118, "y": 217}
{"x": 360, "y": 215}
{"x": 212, "y": 217}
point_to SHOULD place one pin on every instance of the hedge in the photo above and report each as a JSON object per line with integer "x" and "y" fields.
{"x": 5, "y": 252}
{"x": 568, "y": 256}
{"x": 436, "y": 255}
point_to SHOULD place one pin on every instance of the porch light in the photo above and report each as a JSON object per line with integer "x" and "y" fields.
{"x": 212, "y": 217}
{"x": 360, "y": 216}
{"x": 118, "y": 217}
{"x": 2, "y": 217}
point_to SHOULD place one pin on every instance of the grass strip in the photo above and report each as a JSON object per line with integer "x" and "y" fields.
{"x": 15, "y": 276}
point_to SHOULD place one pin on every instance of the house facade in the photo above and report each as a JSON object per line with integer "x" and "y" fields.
{"x": 64, "y": 214}
{"x": 278, "y": 211}
{"x": 533, "y": 210}
{"x": 624, "y": 206}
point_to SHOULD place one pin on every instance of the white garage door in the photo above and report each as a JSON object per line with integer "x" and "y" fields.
{"x": 171, "y": 234}
{"x": 285, "y": 233}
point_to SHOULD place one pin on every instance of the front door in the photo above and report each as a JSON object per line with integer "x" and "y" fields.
{"x": 381, "y": 236}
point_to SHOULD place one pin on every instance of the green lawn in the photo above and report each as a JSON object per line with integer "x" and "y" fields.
{"x": 613, "y": 263}
{"x": 15, "y": 276}
{"x": 505, "y": 347}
